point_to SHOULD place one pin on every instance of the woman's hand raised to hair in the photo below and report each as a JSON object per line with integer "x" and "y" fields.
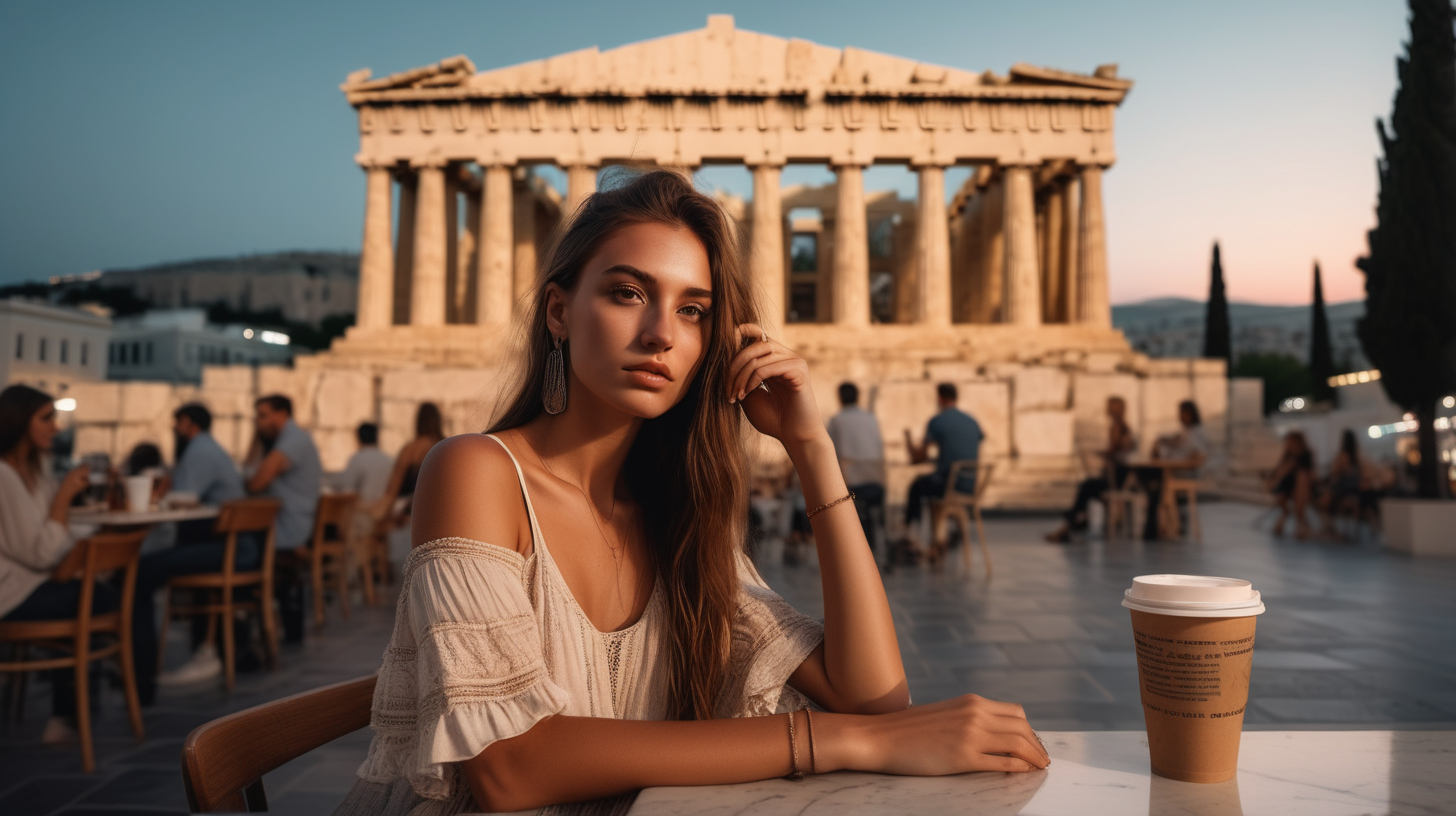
{"x": 787, "y": 411}
{"x": 963, "y": 734}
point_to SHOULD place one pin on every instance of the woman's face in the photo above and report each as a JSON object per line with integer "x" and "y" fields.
{"x": 637, "y": 322}
{"x": 43, "y": 428}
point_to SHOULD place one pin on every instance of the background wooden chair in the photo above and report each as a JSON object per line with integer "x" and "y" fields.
{"x": 331, "y": 554}
{"x": 236, "y": 517}
{"x": 954, "y": 501}
{"x": 1170, "y": 523}
{"x": 223, "y": 761}
{"x": 91, "y": 557}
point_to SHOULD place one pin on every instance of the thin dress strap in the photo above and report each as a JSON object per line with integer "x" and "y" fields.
{"x": 538, "y": 543}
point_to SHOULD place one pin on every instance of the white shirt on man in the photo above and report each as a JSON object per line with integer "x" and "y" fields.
{"x": 366, "y": 475}
{"x": 857, "y": 441}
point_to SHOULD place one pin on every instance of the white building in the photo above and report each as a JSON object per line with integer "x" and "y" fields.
{"x": 174, "y": 345}
{"x": 51, "y": 347}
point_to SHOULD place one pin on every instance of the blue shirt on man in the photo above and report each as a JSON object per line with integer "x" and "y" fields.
{"x": 957, "y": 435}
{"x": 297, "y": 487}
{"x": 205, "y": 468}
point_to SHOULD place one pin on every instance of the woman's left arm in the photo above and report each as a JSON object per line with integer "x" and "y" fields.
{"x": 858, "y": 668}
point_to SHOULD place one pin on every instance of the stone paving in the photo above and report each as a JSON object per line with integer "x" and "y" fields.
{"x": 1354, "y": 637}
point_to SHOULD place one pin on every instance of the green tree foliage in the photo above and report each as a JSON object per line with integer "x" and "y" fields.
{"x": 1284, "y": 376}
{"x": 299, "y": 334}
{"x": 1409, "y": 328}
{"x": 1217, "y": 336}
{"x": 1321, "y": 353}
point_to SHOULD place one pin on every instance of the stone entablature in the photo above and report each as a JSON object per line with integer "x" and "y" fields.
{"x": 446, "y": 133}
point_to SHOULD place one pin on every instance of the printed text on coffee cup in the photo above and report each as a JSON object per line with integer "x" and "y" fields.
{"x": 1186, "y": 670}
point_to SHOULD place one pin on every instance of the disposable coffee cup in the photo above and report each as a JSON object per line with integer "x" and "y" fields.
{"x": 1195, "y": 649}
{"x": 138, "y": 494}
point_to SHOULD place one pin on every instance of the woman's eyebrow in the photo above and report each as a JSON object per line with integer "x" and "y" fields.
{"x": 651, "y": 280}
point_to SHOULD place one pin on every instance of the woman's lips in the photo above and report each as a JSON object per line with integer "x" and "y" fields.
{"x": 646, "y": 378}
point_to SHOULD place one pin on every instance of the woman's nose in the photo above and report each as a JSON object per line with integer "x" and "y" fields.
{"x": 657, "y": 330}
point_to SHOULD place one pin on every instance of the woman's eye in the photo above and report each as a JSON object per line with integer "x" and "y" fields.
{"x": 694, "y": 311}
{"x": 627, "y": 293}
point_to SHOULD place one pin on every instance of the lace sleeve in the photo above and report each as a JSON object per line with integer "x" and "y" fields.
{"x": 464, "y": 667}
{"x": 770, "y": 640}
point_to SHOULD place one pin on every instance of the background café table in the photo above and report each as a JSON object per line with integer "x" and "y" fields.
{"x": 123, "y": 518}
{"x": 1320, "y": 773}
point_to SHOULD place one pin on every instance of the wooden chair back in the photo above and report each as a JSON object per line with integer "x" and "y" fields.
{"x": 983, "y": 470}
{"x": 336, "y": 509}
{"x": 223, "y": 761}
{"x": 88, "y": 560}
{"x": 253, "y": 515}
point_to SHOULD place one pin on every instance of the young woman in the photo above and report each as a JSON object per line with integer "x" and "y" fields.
{"x": 429, "y": 430}
{"x": 1292, "y": 482}
{"x": 578, "y": 620}
{"x": 34, "y": 537}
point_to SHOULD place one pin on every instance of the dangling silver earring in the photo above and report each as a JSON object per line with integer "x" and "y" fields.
{"x": 553, "y": 391}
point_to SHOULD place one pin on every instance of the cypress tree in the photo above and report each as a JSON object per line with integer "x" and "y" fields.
{"x": 1409, "y": 327}
{"x": 1321, "y": 354}
{"x": 1217, "y": 341}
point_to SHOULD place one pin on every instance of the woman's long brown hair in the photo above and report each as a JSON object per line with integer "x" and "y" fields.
{"x": 687, "y": 469}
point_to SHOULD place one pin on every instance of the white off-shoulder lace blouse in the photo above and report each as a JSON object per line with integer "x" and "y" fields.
{"x": 487, "y": 643}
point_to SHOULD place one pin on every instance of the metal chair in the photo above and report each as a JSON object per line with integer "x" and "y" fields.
{"x": 223, "y": 761}
{"x": 236, "y": 517}
{"x": 959, "y": 503}
{"x": 89, "y": 559}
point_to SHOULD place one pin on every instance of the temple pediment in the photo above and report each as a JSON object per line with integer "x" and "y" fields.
{"x": 722, "y": 60}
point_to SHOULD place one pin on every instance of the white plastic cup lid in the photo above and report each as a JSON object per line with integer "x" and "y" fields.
{"x": 1199, "y": 596}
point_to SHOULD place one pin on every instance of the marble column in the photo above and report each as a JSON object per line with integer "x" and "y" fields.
{"x": 427, "y": 296}
{"x": 1053, "y": 295}
{"x": 932, "y": 250}
{"x": 581, "y": 181}
{"x": 766, "y": 254}
{"x": 452, "y": 243}
{"x": 404, "y": 248}
{"x": 990, "y": 277}
{"x": 851, "y": 291}
{"x": 495, "y": 289}
{"x": 524, "y": 237}
{"x": 468, "y": 282}
{"x": 1093, "y": 304}
{"x": 1071, "y": 231}
{"x": 1022, "y": 292}
{"x": 376, "y": 256}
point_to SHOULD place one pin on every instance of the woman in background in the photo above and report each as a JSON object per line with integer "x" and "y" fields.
{"x": 429, "y": 431}
{"x": 34, "y": 537}
{"x": 1292, "y": 482}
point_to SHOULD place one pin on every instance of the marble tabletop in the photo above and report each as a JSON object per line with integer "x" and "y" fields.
{"x": 1320, "y": 773}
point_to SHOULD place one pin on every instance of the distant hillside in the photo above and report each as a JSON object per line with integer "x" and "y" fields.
{"x": 311, "y": 264}
{"x": 1173, "y": 327}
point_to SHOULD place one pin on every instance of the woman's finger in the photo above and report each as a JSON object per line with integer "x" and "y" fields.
{"x": 745, "y": 356}
{"x": 739, "y": 385}
{"x": 1004, "y": 764}
{"x": 785, "y": 368}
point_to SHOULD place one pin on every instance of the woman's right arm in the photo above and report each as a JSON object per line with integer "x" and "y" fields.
{"x": 609, "y": 757}
{"x": 37, "y": 541}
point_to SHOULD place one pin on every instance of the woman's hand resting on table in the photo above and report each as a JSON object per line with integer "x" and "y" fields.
{"x": 967, "y": 733}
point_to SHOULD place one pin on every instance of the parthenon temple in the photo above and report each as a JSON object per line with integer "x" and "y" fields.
{"x": 1022, "y": 243}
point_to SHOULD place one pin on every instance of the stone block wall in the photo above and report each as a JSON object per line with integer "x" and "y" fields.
{"x": 1039, "y": 412}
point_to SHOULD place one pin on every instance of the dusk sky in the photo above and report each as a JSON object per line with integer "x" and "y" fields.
{"x": 137, "y": 133}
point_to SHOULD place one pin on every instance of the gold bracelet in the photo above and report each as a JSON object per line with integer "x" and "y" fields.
{"x": 821, "y": 508}
{"x": 814, "y": 763}
{"x": 796, "y": 774}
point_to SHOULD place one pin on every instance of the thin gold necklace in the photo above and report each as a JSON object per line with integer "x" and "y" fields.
{"x": 615, "y": 550}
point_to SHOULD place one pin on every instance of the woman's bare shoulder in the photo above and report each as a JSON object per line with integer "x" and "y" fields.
{"x": 468, "y": 489}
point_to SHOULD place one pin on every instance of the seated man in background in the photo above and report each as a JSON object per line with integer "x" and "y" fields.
{"x": 861, "y": 450}
{"x": 205, "y": 470}
{"x": 956, "y": 436}
{"x": 367, "y": 473}
{"x": 286, "y": 468}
